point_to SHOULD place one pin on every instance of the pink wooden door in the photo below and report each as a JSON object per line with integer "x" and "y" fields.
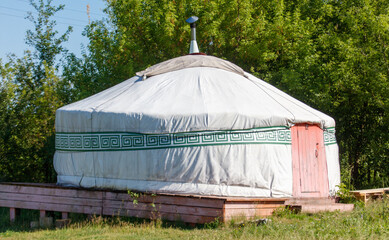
{"x": 310, "y": 178}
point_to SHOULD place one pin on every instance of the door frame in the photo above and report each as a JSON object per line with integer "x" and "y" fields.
{"x": 317, "y": 133}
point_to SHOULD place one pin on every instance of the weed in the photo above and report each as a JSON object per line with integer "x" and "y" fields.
{"x": 214, "y": 224}
{"x": 134, "y": 196}
{"x": 284, "y": 211}
{"x": 344, "y": 194}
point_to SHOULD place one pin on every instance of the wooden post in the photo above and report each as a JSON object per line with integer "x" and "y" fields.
{"x": 12, "y": 214}
{"x": 65, "y": 215}
{"x": 42, "y": 213}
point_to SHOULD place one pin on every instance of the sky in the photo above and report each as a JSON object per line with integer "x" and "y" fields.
{"x": 13, "y": 24}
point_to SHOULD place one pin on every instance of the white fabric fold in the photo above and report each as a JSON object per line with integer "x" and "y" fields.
{"x": 190, "y": 61}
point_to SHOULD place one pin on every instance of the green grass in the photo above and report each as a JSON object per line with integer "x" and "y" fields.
{"x": 365, "y": 222}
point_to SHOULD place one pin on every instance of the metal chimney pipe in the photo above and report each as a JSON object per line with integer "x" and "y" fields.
{"x": 193, "y": 43}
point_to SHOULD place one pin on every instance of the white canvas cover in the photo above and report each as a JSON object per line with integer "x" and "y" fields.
{"x": 190, "y": 61}
{"x": 193, "y": 125}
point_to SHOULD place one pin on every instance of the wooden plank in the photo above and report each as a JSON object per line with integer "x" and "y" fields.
{"x": 5, "y": 187}
{"x": 51, "y": 207}
{"x": 376, "y": 190}
{"x": 174, "y": 200}
{"x": 102, "y": 191}
{"x": 226, "y": 198}
{"x": 256, "y": 200}
{"x": 305, "y": 201}
{"x": 53, "y": 185}
{"x": 274, "y": 201}
{"x": 253, "y": 206}
{"x": 247, "y": 218}
{"x": 42, "y": 214}
{"x": 50, "y": 191}
{"x": 155, "y": 215}
{"x": 166, "y": 208}
{"x": 51, "y": 199}
{"x": 229, "y": 213}
{"x": 184, "y": 195}
{"x": 325, "y": 208}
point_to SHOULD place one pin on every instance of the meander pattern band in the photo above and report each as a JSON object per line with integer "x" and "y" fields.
{"x": 124, "y": 141}
{"x": 329, "y": 136}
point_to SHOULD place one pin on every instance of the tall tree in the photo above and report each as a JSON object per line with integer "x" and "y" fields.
{"x": 27, "y": 113}
{"x": 30, "y": 97}
{"x": 44, "y": 38}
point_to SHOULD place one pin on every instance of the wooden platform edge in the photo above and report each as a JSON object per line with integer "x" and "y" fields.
{"x": 171, "y": 207}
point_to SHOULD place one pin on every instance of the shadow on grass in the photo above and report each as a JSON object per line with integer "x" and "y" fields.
{"x": 22, "y": 222}
{"x": 26, "y": 216}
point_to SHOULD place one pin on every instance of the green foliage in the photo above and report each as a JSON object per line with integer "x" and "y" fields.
{"x": 44, "y": 36}
{"x": 28, "y": 114}
{"x": 359, "y": 95}
{"x": 134, "y": 196}
{"x": 214, "y": 224}
{"x": 30, "y": 95}
{"x": 285, "y": 212}
{"x": 344, "y": 194}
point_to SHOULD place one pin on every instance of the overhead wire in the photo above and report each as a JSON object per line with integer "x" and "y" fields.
{"x": 70, "y": 9}
{"x": 71, "y": 24}
{"x": 54, "y": 17}
{"x": 19, "y": 10}
{"x": 65, "y": 18}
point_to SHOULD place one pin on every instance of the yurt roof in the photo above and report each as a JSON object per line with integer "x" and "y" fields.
{"x": 184, "y": 94}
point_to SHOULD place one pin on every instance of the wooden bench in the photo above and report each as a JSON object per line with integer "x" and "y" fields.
{"x": 366, "y": 195}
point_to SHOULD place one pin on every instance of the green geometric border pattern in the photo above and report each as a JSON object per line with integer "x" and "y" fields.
{"x": 329, "y": 136}
{"x": 124, "y": 141}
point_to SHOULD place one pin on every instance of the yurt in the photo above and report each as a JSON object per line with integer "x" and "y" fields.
{"x": 197, "y": 125}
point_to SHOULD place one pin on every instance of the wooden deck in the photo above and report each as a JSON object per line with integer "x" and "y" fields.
{"x": 171, "y": 207}
{"x": 366, "y": 195}
{"x": 315, "y": 205}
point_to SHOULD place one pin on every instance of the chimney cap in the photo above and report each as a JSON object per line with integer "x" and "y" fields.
{"x": 192, "y": 19}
